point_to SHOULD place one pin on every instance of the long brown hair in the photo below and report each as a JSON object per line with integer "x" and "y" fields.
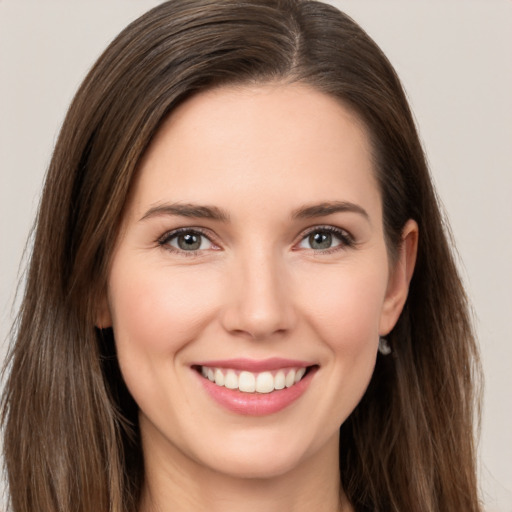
{"x": 71, "y": 434}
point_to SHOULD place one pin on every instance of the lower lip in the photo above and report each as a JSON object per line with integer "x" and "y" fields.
{"x": 257, "y": 404}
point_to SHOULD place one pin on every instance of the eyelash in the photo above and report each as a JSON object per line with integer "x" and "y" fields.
{"x": 164, "y": 240}
{"x": 346, "y": 239}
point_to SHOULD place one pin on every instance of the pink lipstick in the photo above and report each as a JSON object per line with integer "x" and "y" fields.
{"x": 255, "y": 388}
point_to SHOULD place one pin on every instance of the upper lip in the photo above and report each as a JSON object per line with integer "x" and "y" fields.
{"x": 255, "y": 365}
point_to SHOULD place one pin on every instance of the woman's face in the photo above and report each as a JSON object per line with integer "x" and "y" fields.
{"x": 252, "y": 251}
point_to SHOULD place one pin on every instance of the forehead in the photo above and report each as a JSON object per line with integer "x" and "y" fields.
{"x": 267, "y": 142}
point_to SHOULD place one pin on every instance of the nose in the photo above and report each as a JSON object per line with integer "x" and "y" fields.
{"x": 259, "y": 301}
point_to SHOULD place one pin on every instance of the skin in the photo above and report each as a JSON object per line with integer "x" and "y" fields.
{"x": 256, "y": 289}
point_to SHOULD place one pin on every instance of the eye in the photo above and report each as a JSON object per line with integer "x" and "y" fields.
{"x": 186, "y": 240}
{"x": 325, "y": 238}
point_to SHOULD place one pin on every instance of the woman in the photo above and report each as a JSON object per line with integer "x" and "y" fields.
{"x": 241, "y": 294}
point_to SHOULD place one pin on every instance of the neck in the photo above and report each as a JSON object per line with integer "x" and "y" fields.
{"x": 176, "y": 483}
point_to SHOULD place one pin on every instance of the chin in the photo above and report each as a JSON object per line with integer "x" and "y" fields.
{"x": 259, "y": 459}
{"x": 258, "y": 468}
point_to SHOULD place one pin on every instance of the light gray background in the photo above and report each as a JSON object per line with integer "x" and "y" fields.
{"x": 454, "y": 58}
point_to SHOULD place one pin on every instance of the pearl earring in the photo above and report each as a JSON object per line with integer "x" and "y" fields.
{"x": 384, "y": 347}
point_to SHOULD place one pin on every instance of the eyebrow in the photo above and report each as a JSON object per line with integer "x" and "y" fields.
{"x": 216, "y": 213}
{"x": 328, "y": 208}
{"x": 188, "y": 210}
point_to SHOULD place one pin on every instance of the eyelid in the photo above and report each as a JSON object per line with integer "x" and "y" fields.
{"x": 346, "y": 238}
{"x": 163, "y": 240}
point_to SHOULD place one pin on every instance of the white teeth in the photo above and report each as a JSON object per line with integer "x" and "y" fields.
{"x": 299, "y": 374}
{"x": 231, "y": 380}
{"x": 219, "y": 378}
{"x": 290, "y": 379}
{"x": 264, "y": 382}
{"x": 248, "y": 382}
{"x": 279, "y": 380}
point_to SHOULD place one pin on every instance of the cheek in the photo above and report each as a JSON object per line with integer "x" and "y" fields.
{"x": 341, "y": 308}
{"x": 344, "y": 306}
{"x": 158, "y": 311}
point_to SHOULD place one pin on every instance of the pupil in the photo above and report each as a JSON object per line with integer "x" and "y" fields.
{"x": 320, "y": 240}
{"x": 189, "y": 242}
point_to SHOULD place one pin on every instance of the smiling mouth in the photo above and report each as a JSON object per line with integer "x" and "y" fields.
{"x": 252, "y": 382}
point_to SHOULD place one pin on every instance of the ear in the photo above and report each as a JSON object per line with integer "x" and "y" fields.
{"x": 400, "y": 278}
{"x": 103, "y": 316}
